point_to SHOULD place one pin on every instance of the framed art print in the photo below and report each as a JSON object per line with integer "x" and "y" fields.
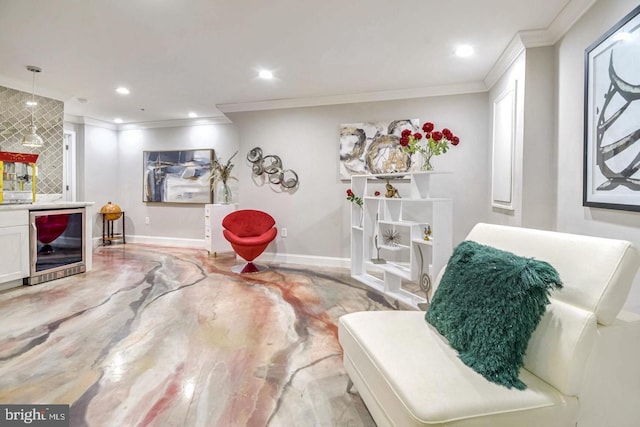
{"x": 374, "y": 147}
{"x": 177, "y": 176}
{"x": 612, "y": 118}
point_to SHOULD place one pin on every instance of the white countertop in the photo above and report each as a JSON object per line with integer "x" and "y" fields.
{"x": 43, "y": 205}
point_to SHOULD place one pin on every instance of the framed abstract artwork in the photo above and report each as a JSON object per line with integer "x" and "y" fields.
{"x": 177, "y": 176}
{"x": 374, "y": 147}
{"x": 612, "y": 118}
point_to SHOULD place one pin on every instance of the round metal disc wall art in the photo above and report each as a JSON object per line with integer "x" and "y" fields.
{"x": 271, "y": 166}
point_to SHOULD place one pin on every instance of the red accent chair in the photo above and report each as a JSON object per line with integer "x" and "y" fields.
{"x": 249, "y": 232}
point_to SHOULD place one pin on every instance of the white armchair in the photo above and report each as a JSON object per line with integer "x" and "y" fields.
{"x": 582, "y": 365}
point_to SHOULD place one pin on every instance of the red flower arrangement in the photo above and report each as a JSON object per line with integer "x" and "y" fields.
{"x": 353, "y": 198}
{"x": 434, "y": 143}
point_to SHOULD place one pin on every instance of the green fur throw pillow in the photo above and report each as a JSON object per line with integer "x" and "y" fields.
{"x": 488, "y": 304}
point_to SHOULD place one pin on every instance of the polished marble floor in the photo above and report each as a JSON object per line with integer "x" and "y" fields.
{"x": 171, "y": 337}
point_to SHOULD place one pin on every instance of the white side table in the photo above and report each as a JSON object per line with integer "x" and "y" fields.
{"x": 213, "y": 216}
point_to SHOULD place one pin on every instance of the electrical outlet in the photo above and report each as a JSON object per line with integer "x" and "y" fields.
{"x": 146, "y": 220}
{"x": 284, "y": 232}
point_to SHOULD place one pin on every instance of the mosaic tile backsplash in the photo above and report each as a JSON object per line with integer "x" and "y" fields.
{"x": 15, "y": 119}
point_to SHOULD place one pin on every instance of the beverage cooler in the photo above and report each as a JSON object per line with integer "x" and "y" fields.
{"x": 18, "y": 182}
{"x": 57, "y": 244}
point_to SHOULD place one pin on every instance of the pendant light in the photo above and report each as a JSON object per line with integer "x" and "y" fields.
{"x": 31, "y": 138}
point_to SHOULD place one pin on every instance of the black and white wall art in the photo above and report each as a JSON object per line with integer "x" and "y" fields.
{"x": 612, "y": 118}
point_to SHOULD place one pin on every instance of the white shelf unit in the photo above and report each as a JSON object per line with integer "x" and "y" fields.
{"x": 408, "y": 257}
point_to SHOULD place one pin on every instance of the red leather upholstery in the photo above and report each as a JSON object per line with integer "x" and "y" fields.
{"x": 249, "y": 232}
{"x": 50, "y": 227}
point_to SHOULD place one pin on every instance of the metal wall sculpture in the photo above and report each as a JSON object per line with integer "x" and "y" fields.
{"x": 612, "y": 118}
{"x": 271, "y": 166}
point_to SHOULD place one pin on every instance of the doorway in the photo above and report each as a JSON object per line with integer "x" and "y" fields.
{"x": 69, "y": 166}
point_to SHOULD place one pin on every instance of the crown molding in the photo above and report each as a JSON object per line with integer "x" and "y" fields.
{"x": 513, "y": 50}
{"x": 71, "y": 118}
{"x": 81, "y": 120}
{"x": 559, "y": 27}
{"x": 201, "y": 121}
{"x": 568, "y": 16}
{"x": 390, "y": 95}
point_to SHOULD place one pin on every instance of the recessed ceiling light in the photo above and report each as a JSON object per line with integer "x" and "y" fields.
{"x": 117, "y": 120}
{"x": 123, "y": 90}
{"x": 31, "y": 103}
{"x": 192, "y": 115}
{"x": 464, "y": 51}
{"x": 265, "y": 74}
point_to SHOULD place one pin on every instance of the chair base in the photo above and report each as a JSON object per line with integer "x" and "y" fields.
{"x": 248, "y": 268}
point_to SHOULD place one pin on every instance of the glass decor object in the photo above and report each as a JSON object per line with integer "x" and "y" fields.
{"x": 225, "y": 194}
{"x": 221, "y": 174}
{"x": 427, "y": 144}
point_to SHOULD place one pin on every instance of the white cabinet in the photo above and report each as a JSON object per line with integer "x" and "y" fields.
{"x": 395, "y": 228}
{"x": 213, "y": 216}
{"x": 14, "y": 248}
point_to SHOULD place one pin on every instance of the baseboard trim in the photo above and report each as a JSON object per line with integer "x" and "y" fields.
{"x": 321, "y": 261}
{"x": 10, "y": 285}
{"x": 282, "y": 258}
{"x": 160, "y": 241}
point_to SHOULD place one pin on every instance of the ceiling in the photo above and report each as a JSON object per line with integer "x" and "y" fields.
{"x": 178, "y": 56}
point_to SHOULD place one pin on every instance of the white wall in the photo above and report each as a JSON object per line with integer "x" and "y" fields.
{"x": 110, "y": 170}
{"x": 176, "y": 222}
{"x": 532, "y": 74}
{"x": 307, "y": 140}
{"x": 100, "y": 175}
{"x": 316, "y": 214}
{"x": 539, "y": 151}
{"x": 571, "y": 215}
